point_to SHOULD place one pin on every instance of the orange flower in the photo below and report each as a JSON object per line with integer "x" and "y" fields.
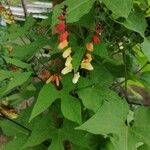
{"x": 63, "y": 44}
{"x": 90, "y": 47}
{"x": 54, "y": 78}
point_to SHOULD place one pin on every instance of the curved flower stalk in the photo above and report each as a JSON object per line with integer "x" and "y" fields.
{"x": 64, "y": 43}
{"x": 86, "y": 62}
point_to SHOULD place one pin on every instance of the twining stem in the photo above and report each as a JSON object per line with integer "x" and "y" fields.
{"x": 18, "y": 124}
{"x": 126, "y": 74}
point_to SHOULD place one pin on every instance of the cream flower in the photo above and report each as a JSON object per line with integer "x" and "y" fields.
{"x": 86, "y": 65}
{"x": 67, "y": 52}
{"x": 76, "y": 77}
{"x": 67, "y": 69}
{"x": 63, "y": 44}
{"x": 68, "y": 61}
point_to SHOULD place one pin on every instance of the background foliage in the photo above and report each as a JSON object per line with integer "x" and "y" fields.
{"x": 108, "y": 109}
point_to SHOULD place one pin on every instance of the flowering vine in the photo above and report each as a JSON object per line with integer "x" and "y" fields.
{"x": 63, "y": 44}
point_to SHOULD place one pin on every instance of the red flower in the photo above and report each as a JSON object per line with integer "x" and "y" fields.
{"x": 61, "y": 17}
{"x": 63, "y": 36}
{"x": 60, "y": 26}
{"x": 96, "y": 39}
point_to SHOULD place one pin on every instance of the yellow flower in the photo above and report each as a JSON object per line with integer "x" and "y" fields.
{"x": 76, "y": 78}
{"x": 68, "y": 61}
{"x": 90, "y": 47}
{"x": 63, "y": 44}
{"x": 67, "y": 52}
{"x": 67, "y": 69}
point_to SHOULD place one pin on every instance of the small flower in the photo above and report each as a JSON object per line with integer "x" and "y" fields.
{"x": 95, "y": 39}
{"x": 67, "y": 69}
{"x": 86, "y": 65}
{"x": 54, "y": 78}
{"x": 63, "y": 36}
{"x": 68, "y": 61}
{"x": 89, "y": 57}
{"x": 60, "y": 26}
{"x": 67, "y": 52}
{"x": 61, "y": 17}
{"x": 76, "y": 77}
{"x": 50, "y": 79}
{"x": 63, "y": 44}
{"x": 90, "y": 47}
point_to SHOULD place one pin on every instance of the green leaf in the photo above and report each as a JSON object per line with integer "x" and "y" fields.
{"x": 145, "y": 79}
{"x": 100, "y": 49}
{"x": 136, "y": 22}
{"x": 76, "y": 9}
{"x": 77, "y": 58}
{"x": 42, "y": 131}
{"x": 145, "y": 48}
{"x": 101, "y": 76}
{"x": 27, "y": 51}
{"x": 16, "y": 62}
{"x": 11, "y": 129}
{"x": 18, "y": 80}
{"x": 15, "y": 144}
{"x": 120, "y": 8}
{"x": 110, "y": 119}
{"x": 46, "y": 97}
{"x": 69, "y": 133}
{"x": 4, "y": 74}
{"x": 70, "y": 106}
{"x": 16, "y": 31}
{"x": 92, "y": 97}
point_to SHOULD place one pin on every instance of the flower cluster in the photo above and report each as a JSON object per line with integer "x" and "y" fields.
{"x": 64, "y": 44}
{"x": 67, "y": 50}
{"x": 48, "y": 77}
{"x": 86, "y": 62}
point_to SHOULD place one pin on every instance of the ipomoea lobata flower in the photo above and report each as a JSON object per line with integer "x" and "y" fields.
{"x": 90, "y": 47}
{"x": 63, "y": 44}
{"x": 76, "y": 77}
{"x": 67, "y": 52}
{"x": 86, "y": 63}
{"x": 67, "y": 69}
{"x": 68, "y": 61}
